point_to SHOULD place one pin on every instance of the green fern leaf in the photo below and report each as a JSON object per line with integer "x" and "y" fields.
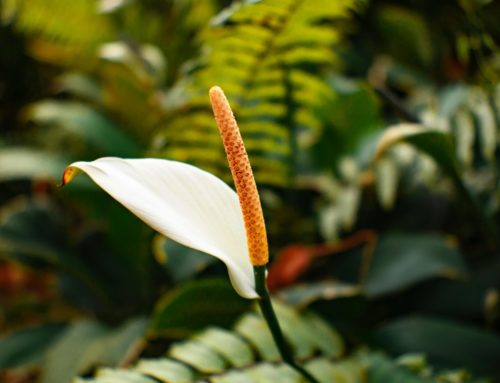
{"x": 269, "y": 57}
{"x": 46, "y": 21}
{"x": 246, "y": 354}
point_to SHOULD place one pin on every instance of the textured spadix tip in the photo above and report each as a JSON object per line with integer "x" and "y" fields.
{"x": 243, "y": 177}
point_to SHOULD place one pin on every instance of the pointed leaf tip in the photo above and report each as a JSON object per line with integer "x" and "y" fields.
{"x": 69, "y": 174}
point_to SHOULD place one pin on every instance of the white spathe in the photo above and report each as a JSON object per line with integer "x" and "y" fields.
{"x": 184, "y": 203}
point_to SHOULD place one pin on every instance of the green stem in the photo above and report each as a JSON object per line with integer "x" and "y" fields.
{"x": 266, "y": 307}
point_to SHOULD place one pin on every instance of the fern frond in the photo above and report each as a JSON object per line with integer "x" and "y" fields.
{"x": 247, "y": 354}
{"x": 60, "y": 30}
{"x": 269, "y": 57}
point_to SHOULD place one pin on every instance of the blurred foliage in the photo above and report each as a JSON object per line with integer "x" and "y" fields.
{"x": 268, "y": 57}
{"x": 246, "y": 353}
{"x": 373, "y": 129}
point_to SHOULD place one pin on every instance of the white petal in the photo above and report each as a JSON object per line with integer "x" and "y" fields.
{"x": 182, "y": 202}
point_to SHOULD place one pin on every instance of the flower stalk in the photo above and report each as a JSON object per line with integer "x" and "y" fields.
{"x": 266, "y": 307}
{"x": 253, "y": 218}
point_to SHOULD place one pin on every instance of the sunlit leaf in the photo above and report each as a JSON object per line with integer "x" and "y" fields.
{"x": 28, "y": 163}
{"x": 435, "y": 143}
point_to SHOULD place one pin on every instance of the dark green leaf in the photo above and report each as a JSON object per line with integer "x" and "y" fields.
{"x": 182, "y": 262}
{"x": 32, "y": 229}
{"x": 62, "y": 362}
{"x": 95, "y": 134}
{"x": 405, "y": 34}
{"x": 28, "y": 346}
{"x": 401, "y": 260}
{"x": 446, "y": 343}
{"x": 195, "y": 305}
{"x": 86, "y": 344}
{"x": 383, "y": 370}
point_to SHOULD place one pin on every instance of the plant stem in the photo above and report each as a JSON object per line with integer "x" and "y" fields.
{"x": 396, "y": 103}
{"x": 266, "y": 307}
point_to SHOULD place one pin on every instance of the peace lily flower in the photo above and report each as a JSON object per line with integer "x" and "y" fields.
{"x": 191, "y": 206}
{"x": 200, "y": 211}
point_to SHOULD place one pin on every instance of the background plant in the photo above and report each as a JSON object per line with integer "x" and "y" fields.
{"x": 399, "y": 254}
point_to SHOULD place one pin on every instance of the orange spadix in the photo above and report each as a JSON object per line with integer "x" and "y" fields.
{"x": 243, "y": 177}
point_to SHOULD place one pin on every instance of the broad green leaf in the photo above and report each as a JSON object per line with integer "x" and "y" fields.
{"x": 27, "y": 346}
{"x": 80, "y": 85}
{"x": 182, "y": 262}
{"x": 116, "y": 344}
{"x": 302, "y": 295}
{"x": 435, "y": 143}
{"x": 197, "y": 304}
{"x": 18, "y": 163}
{"x": 144, "y": 61}
{"x": 353, "y": 115}
{"x": 97, "y": 134}
{"x": 472, "y": 290}
{"x": 402, "y": 260}
{"x": 451, "y": 99}
{"x": 86, "y": 344}
{"x": 445, "y": 342}
{"x": 62, "y": 362}
{"x": 405, "y": 34}
{"x": 381, "y": 369}
{"x": 33, "y": 230}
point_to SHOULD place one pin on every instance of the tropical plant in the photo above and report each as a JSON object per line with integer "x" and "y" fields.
{"x": 373, "y": 131}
